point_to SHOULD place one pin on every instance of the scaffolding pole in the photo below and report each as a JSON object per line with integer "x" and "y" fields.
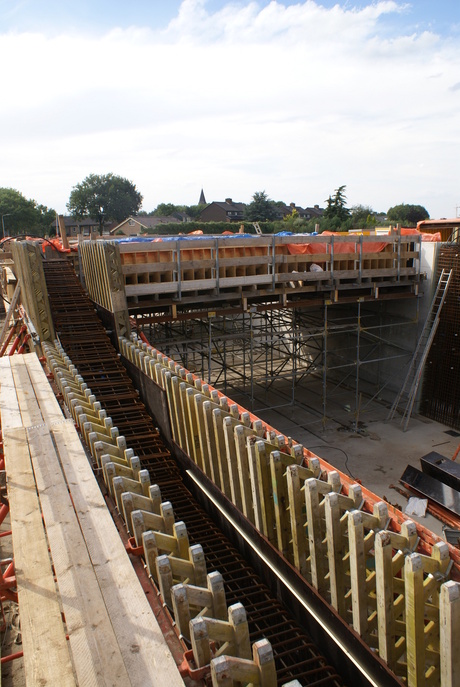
{"x": 250, "y": 351}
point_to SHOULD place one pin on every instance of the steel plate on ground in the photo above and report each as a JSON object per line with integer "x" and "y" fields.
{"x": 432, "y": 489}
{"x": 444, "y": 469}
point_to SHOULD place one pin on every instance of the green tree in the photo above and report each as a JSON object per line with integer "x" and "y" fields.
{"x": 363, "y": 217}
{"x": 166, "y": 209}
{"x": 336, "y": 210}
{"x": 293, "y": 222}
{"x": 23, "y": 216}
{"x": 46, "y": 216}
{"x": 194, "y": 211}
{"x": 407, "y": 214}
{"x": 105, "y": 198}
{"x": 359, "y": 215}
{"x": 262, "y": 209}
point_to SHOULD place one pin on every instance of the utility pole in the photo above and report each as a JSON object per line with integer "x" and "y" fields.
{"x": 7, "y": 214}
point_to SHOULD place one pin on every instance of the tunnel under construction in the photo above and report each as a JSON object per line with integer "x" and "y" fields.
{"x": 275, "y": 567}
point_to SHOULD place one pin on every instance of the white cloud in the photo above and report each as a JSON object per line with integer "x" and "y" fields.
{"x": 296, "y": 100}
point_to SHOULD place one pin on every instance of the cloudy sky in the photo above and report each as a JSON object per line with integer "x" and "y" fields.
{"x": 294, "y": 98}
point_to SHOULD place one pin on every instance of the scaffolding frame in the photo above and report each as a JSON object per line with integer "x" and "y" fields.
{"x": 348, "y": 348}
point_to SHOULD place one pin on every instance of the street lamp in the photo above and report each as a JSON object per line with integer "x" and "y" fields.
{"x": 3, "y": 223}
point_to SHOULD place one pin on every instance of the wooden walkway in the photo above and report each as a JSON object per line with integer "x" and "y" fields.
{"x": 68, "y": 554}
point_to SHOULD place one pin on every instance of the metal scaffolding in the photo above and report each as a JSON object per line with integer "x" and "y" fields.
{"x": 264, "y": 356}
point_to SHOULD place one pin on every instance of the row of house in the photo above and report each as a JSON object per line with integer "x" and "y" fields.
{"x": 217, "y": 211}
{"x": 230, "y": 211}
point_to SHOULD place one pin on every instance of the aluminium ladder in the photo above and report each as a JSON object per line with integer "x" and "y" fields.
{"x": 405, "y": 399}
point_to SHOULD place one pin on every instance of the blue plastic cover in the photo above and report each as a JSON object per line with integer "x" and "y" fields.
{"x": 196, "y": 237}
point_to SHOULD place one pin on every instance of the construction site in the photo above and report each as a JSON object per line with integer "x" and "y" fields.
{"x": 208, "y": 446}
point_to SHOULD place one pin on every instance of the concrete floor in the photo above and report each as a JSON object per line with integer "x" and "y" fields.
{"x": 377, "y": 454}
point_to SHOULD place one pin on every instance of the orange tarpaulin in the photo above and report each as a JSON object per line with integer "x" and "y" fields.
{"x": 315, "y": 248}
{"x": 431, "y": 237}
{"x": 409, "y": 231}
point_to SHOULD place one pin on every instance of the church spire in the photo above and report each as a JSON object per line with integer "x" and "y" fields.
{"x": 202, "y": 200}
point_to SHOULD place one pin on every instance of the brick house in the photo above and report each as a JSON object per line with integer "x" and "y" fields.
{"x": 304, "y": 213}
{"x": 75, "y": 227}
{"x": 226, "y": 211}
{"x": 133, "y": 226}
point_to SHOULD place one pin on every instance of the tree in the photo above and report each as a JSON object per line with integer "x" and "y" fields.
{"x": 293, "y": 222}
{"x": 363, "y": 217}
{"x": 336, "y": 210}
{"x": 407, "y": 214}
{"x": 262, "y": 209}
{"x": 105, "y": 198}
{"x": 166, "y": 209}
{"x": 23, "y": 216}
{"x": 194, "y": 211}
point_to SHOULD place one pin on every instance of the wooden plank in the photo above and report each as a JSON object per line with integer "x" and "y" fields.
{"x": 37, "y": 401}
{"x": 188, "y": 448}
{"x": 278, "y": 464}
{"x": 49, "y": 407}
{"x": 173, "y": 416}
{"x": 46, "y": 652}
{"x": 28, "y": 404}
{"x": 242, "y": 464}
{"x": 449, "y": 628}
{"x": 95, "y": 652}
{"x": 262, "y": 474}
{"x": 314, "y": 491}
{"x": 336, "y": 553}
{"x": 194, "y": 438}
{"x": 385, "y": 598}
{"x": 358, "y": 573}
{"x": 10, "y": 414}
{"x": 206, "y": 454}
{"x": 224, "y": 454}
{"x": 178, "y": 412}
{"x": 143, "y": 647}
{"x": 415, "y": 613}
{"x": 300, "y": 543}
{"x": 213, "y": 440}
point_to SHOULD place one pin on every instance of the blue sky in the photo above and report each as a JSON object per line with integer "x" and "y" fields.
{"x": 420, "y": 15}
{"x": 294, "y": 98}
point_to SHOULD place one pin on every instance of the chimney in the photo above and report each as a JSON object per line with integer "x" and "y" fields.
{"x": 292, "y": 205}
{"x": 229, "y": 201}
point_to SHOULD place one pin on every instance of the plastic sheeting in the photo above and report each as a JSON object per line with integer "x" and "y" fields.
{"x": 187, "y": 237}
{"x": 339, "y": 247}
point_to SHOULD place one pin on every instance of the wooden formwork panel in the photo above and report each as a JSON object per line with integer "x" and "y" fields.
{"x": 202, "y": 265}
{"x": 394, "y": 592}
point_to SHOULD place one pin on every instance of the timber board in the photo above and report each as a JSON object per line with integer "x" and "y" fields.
{"x": 46, "y": 652}
{"x": 114, "y": 638}
{"x": 95, "y": 651}
{"x": 144, "y": 649}
{"x": 10, "y": 414}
